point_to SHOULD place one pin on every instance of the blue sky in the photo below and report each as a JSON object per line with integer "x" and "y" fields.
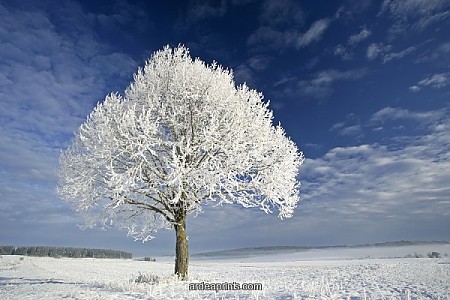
{"x": 362, "y": 87}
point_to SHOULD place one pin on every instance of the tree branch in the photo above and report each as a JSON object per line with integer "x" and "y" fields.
{"x": 151, "y": 207}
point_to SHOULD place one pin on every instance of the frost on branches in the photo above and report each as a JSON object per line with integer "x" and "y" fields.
{"x": 182, "y": 135}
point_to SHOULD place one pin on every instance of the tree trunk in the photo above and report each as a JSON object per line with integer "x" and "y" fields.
{"x": 181, "y": 250}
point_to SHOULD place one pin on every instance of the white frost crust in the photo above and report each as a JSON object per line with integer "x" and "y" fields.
{"x": 183, "y": 134}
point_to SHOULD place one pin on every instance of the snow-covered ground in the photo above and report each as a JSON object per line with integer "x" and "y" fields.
{"x": 362, "y": 273}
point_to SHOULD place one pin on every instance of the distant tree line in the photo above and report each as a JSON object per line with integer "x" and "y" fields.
{"x": 63, "y": 252}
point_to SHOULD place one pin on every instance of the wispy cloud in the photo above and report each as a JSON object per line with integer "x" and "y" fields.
{"x": 353, "y": 130}
{"x": 350, "y": 127}
{"x": 414, "y": 14}
{"x": 313, "y": 146}
{"x": 433, "y": 19}
{"x": 346, "y": 51}
{"x": 279, "y": 27}
{"x": 200, "y": 10}
{"x": 358, "y": 37}
{"x": 343, "y": 52}
{"x": 320, "y": 85}
{"x": 314, "y": 33}
{"x": 352, "y": 8}
{"x": 412, "y": 7}
{"x": 402, "y": 180}
{"x": 398, "y": 55}
{"x": 280, "y": 13}
{"x": 376, "y": 50}
{"x": 277, "y": 22}
{"x": 395, "y": 113}
{"x": 436, "y": 81}
{"x": 259, "y": 62}
{"x": 439, "y": 54}
{"x": 268, "y": 38}
{"x": 248, "y": 70}
{"x": 243, "y": 73}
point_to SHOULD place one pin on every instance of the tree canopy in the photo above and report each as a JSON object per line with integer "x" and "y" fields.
{"x": 182, "y": 135}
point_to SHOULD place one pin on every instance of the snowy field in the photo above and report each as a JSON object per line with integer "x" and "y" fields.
{"x": 362, "y": 273}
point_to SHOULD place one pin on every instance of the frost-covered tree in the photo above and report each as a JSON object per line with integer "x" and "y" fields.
{"x": 182, "y": 135}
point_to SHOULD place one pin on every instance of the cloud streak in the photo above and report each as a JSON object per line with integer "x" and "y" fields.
{"x": 412, "y": 7}
{"x": 398, "y": 55}
{"x": 314, "y": 33}
{"x": 346, "y": 52}
{"x": 414, "y": 14}
{"x": 376, "y": 50}
{"x": 278, "y": 23}
{"x": 401, "y": 180}
{"x": 350, "y": 127}
{"x": 320, "y": 86}
{"x": 359, "y": 37}
{"x": 436, "y": 81}
{"x": 279, "y": 13}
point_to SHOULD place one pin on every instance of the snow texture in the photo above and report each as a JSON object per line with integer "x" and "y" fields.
{"x": 290, "y": 276}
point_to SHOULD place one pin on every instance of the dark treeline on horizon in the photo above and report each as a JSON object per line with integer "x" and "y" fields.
{"x": 63, "y": 252}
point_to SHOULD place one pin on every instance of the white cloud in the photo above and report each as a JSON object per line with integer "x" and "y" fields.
{"x": 331, "y": 75}
{"x": 200, "y": 10}
{"x": 314, "y": 33}
{"x": 440, "y": 53}
{"x": 354, "y": 130}
{"x": 313, "y": 146}
{"x": 358, "y": 37}
{"x": 247, "y": 71}
{"x": 414, "y": 14}
{"x": 321, "y": 85}
{"x": 343, "y": 129}
{"x": 377, "y": 50}
{"x": 47, "y": 73}
{"x": 352, "y": 8}
{"x": 373, "y": 51}
{"x": 350, "y": 127}
{"x": 272, "y": 38}
{"x": 259, "y": 62}
{"x": 343, "y": 52}
{"x": 398, "y": 55}
{"x": 394, "y": 113}
{"x": 436, "y": 18}
{"x": 412, "y": 7}
{"x": 444, "y": 48}
{"x": 280, "y": 27}
{"x": 414, "y": 88}
{"x": 281, "y": 13}
{"x": 436, "y": 81}
{"x": 346, "y": 53}
{"x": 243, "y": 74}
{"x": 278, "y": 20}
{"x": 285, "y": 80}
{"x": 268, "y": 38}
{"x": 402, "y": 180}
